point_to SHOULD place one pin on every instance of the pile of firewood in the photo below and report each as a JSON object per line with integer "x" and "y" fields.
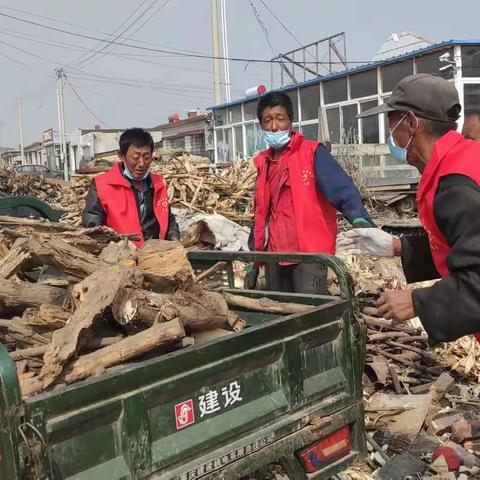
{"x": 73, "y": 305}
{"x": 196, "y": 187}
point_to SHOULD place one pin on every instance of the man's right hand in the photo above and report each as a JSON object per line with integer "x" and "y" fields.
{"x": 369, "y": 241}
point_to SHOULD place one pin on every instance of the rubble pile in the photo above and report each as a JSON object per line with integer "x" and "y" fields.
{"x": 422, "y": 405}
{"x": 75, "y": 301}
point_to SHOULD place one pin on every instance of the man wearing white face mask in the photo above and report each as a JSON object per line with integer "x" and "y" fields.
{"x": 422, "y": 114}
{"x": 298, "y": 191}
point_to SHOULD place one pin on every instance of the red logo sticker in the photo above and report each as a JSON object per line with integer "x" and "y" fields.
{"x": 184, "y": 414}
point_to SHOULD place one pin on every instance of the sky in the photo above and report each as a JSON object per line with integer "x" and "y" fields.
{"x": 120, "y": 87}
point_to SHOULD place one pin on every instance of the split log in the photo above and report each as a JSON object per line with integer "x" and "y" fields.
{"x": 165, "y": 265}
{"x": 19, "y": 295}
{"x": 388, "y": 324}
{"x": 45, "y": 250}
{"x": 196, "y": 308}
{"x": 13, "y": 262}
{"x": 265, "y": 305}
{"x": 114, "y": 253}
{"x": 91, "y": 296}
{"x": 95, "y": 363}
{"x": 22, "y": 332}
{"x": 46, "y": 316}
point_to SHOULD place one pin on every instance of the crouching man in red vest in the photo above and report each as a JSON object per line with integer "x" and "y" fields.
{"x": 299, "y": 189}
{"x": 422, "y": 115}
{"x": 129, "y": 198}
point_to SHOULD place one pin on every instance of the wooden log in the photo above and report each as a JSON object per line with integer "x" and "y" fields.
{"x": 92, "y": 344}
{"x": 419, "y": 351}
{"x": 196, "y": 308}
{"x": 20, "y": 295}
{"x": 378, "y": 337}
{"x": 46, "y": 315}
{"x": 95, "y": 363}
{"x": 116, "y": 252}
{"x": 395, "y": 379}
{"x": 15, "y": 327}
{"x": 13, "y": 262}
{"x": 165, "y": 265}
{"x": 265, "y": 304}
{"x": 209, "y": 272}
{"x": 210, "y": 335}
{"x": 55, "y": 251}
{"x": 91, "y": 296}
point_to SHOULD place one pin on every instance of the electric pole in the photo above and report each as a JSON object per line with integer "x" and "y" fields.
{"x": 20, "y": 124}
{"x": 62, "y": 78}
{"x": 226, "y": 62}
{"x": 216, "y": 54}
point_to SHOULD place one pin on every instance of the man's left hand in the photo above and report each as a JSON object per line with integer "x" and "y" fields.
{"x": 396, "y": 305}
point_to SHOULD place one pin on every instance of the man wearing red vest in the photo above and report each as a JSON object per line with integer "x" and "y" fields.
{"x": 129, "y": 198}
{"x": 422, "y": 114}
{"x": 298, "y": 191}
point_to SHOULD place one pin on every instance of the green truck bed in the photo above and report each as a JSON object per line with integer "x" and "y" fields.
{"x": 216, "y": 411}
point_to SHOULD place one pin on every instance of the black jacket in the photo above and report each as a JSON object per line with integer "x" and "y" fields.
{"x": 449, "y": 309}
{"x": 94, "y": 215}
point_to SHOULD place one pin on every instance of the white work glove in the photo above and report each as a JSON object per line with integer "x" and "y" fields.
{"x": 366, "y": 241}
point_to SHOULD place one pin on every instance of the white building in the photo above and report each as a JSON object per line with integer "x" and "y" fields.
{"x": 340, "y": 96}
{"x": 85, "y": 144}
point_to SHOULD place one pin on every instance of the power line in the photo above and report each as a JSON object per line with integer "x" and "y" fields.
{"x": 280, "y": 22}
{"x": 14, "y": 60}
{"x": 174, "y": 54}
{"x": 262, "y": 26}
{"x": 93, "y": 30}
{"x": 86, "y": 106}
{"x": 117, "y": 36}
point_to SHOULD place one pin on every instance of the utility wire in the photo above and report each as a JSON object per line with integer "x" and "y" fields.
{"x": 117, "y": 36}
{"x": 14, "y": 60}
{"x": 86, "y": 106}
{"x": 262, "y": 26}
{"x": 95, "y": 31}
{"x": 280, "y": 22}
{"x": 169, "y": 52}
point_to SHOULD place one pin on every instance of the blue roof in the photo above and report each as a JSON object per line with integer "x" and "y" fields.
{"x": 361, "y": 68}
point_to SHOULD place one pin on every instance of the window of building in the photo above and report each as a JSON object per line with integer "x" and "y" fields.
{"x": 220, "y": 146}
{"x": 238, "y": 131}
{"x": 250, "y": 139}
{"x": 310, "y": 131}
{"x": 250, "y": 110}
{"x": 259, "y": 143}
{"x": 310, "y": 102}
{"x": 470, "y": 61}
{"x": 363, "y": 84}
{"x": 335, "y": 90}
{"x": 350, "y": 124}
{"x": 393, "y": 73}
{"x": 430, "y": 63}
{"x": 228, "y": 137}
{"x": 294, "y": 98}
{"x": 370, "y": 131}
{"x": 333, "y": 119}
{"x": 220, "y": 117}
{"x": 235, "y": 114}
{"x": 471, "y": 93}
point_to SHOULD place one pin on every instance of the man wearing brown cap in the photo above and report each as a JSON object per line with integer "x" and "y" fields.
{"x": 422, "y": 114}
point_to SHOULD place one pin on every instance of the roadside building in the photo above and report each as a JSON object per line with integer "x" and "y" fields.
{"x": 34, "y": 154}
{"x": 326, "y": 107}
{"x": 189, "y": 134}
{"x": 87, "y": 144}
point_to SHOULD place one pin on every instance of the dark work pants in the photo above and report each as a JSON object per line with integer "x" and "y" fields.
{"x": 302, "y": 278}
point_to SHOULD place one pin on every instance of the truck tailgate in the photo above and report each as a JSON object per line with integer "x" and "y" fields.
{"x": 158, "y": 416}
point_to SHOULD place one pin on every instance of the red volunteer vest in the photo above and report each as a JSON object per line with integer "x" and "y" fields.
{"x": 118, "y": 201}
{"x": 315, "y": 217}
{"x": 452, "y": 155}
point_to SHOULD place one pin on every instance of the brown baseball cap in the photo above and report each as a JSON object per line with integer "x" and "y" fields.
{"x": 427, "y": 96}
